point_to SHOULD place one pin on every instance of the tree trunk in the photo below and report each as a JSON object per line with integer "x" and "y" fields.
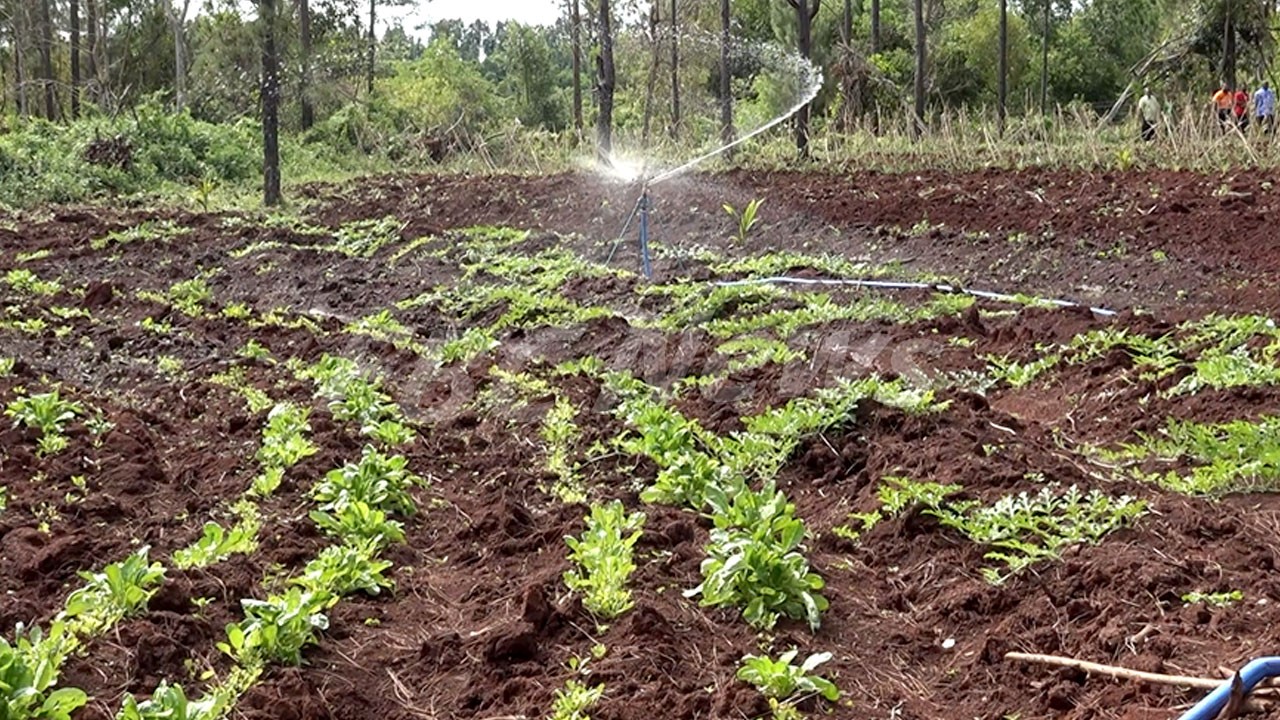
{"x": 804, "y": 24}
{"x": 575, "y": 35}
{"x": 20, "y": 59}
{"x": 1229, "y": 47}
{"x": 1044, "y": 60}
{"x": 675, "y": 70}
{"x": 91, "y": 52}
{"x": 846, "y": 23}
{"x": 373, "y": 45}
{"x": 726, "y": 87}
{"x": 270, "y": 105}
{"x": 1002, "y": 109}
{"x": 921, "y": 67}
{"x": 74, "y": 20}
{"x": 176, "y": 23}
{"x": 304, "y": 81}
{"x": 875, "y": 26}
{"x": 46, "y": 60}
{"x": 605, "y": 79}
{"x": 656, "y": 59}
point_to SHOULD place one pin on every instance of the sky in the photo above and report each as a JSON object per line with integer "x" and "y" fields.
{"x": 542, "y": 12}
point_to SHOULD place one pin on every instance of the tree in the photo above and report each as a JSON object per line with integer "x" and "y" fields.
{"x": 74, "y": 20}
{"x": 308, "y": 117}
{"x": 921, "y": 59}
{"x": 270, "y": 104}
{"x": 675, "y": 70}
{"x": 1003, "y": 102}
{"x": 606, "y": 77}
{"x": 875, "y": 26}
{"x": 575, "y": 39}
{"x": 726, "y": 93}
{"x": 46, "y": 60}
{"x": 804, "y": 26}
{"x": 177, "y": 23}
{"x": 373, "y": 46}
{"x": 91, "y": 36}
{"x": 846, "y": 23}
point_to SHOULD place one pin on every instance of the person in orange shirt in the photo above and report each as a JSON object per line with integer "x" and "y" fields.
{"x": 1223, "y": 100}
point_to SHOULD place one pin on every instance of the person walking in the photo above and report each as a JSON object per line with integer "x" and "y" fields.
{"x": 1223, "y": 100}
{"x": 1240, "y": 106}
{"x": 1148, "y": 115}
{"x": 1264, "y": 107}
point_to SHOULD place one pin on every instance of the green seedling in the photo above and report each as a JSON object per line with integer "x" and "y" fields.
{"x": 781, "y": 679}
{"x": 603, "y": 556}
{"x": 1214, "y": 600}
{"x": 746, "y": 219}
{"x": 573, "y": 702}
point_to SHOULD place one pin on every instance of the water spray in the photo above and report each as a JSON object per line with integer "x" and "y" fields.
{"x": 809, "y": 82}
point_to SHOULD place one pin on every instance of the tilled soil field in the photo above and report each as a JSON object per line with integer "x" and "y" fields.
{"x": 469, "y": 306}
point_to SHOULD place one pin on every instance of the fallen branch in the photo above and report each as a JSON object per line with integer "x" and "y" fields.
{"x": 1119, "y": 672}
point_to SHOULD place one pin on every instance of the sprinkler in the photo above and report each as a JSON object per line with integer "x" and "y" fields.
{"x": 1248, "y": 677}
{"x": 642, "y": 211}
{"x": 645, "y": 263}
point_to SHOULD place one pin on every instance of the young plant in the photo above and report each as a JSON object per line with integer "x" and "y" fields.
{"x": 573, "y": 702}
{"x": 753, "y": 561}
{"x": 29, "y": 672}
{"x": 345, "y": 569}
{"x": 120, "y": 590}
{"x": 746, "y": 219}
{"x": 603, "y": 559}
{"x": 380, "y": 481}
{"x": 275, "y": 630}
{"x": 780, "y": 679}
{"x": 356, "y": 521}
{"x": 48, "y": 413}
{"x": 217, "y": 544}
{"x": 169, "y": 702}
{"x": 1214, "y": 600}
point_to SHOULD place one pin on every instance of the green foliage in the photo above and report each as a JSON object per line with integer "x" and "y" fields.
{"x": 474, "y": 342}
{"x": 6, "y": 366}
{"x": 48, "y": 413}
{"x": 573, "y": 702}
{"x": 1019, "y": 374}
{"x": 748, "y": 353}
{"x": 347, "y": 568}
{"x": 44, "y": 162}
{"x": 559, "y": 433}
{"x": 746, "y": 219}
{"x": 356, "y": 521}
{"x": 28, "y": 283}
{"x": 1238, "y": 456}
{"x": 217, "y": 544}
{"x": 379, "y": 481}
{"x": 147, "y": 231}
{"x": 284, "y": 441}
{"x": 603, "y": 559}
{"x": 29, "y": 672}
{"x": 780, "y": 679}
{"x": 754, "y": 562}
{"x": 277, "y": 629}
{"x": 117, "y": 591}
{"x": 169, "y": 702}
{"x": 1214, "y": 600}
{"x": 1026, "y": 529}
{"x": 364, "y": 238}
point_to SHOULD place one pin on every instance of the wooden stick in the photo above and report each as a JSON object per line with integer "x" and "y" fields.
{"x": 1117, "y": 672}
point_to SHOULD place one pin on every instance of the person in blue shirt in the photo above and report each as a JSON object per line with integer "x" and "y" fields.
{"x": 1264, "y": 106}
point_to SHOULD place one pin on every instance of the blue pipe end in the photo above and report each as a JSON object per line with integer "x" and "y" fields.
{"x": 1250, "y": 675}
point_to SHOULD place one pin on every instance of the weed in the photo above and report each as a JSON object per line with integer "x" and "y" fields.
{"x": 6, "y": 366}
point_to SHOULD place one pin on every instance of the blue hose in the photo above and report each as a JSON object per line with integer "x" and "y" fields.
{"x": 1252, "y": 674}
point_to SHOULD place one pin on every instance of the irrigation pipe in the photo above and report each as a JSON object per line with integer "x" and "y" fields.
{"x": 1119, "y": 673}
{"x": 904, "y": 285}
